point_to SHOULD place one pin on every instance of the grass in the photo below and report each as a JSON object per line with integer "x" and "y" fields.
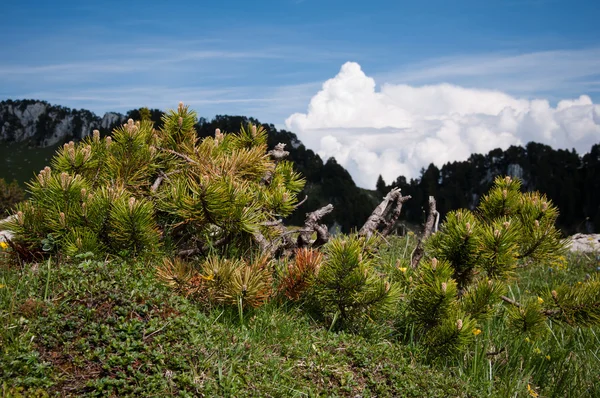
{"x": 96, "y": 328}
{"x": 20, "y": 162}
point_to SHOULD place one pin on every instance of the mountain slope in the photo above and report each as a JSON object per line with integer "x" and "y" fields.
{"x": 40, "y": 124}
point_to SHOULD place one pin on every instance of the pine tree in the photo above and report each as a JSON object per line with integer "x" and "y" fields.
{"x": 348, "y": 290}
{"x": 475, "y": 254}
{"x": 380, "y": 186}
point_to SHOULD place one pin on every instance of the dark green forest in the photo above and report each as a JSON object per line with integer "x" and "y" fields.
{"x": 570, "y": 180}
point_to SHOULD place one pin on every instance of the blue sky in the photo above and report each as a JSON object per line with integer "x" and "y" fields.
{"x": 250, "y": 56}
{"x": 267, "y": 59}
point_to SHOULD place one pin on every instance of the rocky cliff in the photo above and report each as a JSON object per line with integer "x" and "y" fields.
{"x": 42, "y": 124}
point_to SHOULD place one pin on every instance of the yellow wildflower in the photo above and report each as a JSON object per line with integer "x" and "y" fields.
{"x": 402, "y": 269}
{"x": 548, "y": 357}
{"x": 527, "y": 339}
{"x": 3, "y": 245}
{"x": 531, "y": 391}
{"x": 2, "y": 286}
{"x": 208, "y": 277}
{"x": 537, "y": 351}
{"x": 540, "y": 300}
{"x": 476, "y": 331}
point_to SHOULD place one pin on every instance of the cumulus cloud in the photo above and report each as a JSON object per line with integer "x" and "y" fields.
{"x": 397, "y": 129}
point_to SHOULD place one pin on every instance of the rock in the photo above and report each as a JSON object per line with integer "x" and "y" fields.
{"x": 43, "y": 124}
{"x": 586, "y": 243}
{"x": 6, "y": 235}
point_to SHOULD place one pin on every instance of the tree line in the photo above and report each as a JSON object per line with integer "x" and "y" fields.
{"x": 571, "y": 181}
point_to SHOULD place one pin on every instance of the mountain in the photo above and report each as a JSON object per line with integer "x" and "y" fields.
{"x": 40, "y": 124}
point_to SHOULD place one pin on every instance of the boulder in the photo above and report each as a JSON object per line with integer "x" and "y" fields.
{"x": 587, "y": 243}
{"x": 6, "y": 235}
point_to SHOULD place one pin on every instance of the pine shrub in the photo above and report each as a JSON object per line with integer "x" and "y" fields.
{"x": 142, "y": 191}
{"x": 348, "y": 289}
{"x": 474, "y": 255}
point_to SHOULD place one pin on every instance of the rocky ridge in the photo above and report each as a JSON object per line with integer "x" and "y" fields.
{"x": 42, "y": 124}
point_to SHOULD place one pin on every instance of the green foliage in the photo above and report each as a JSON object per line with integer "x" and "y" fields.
{"x": 451, "y": 335}
{"x": 479, "y": 298}
{"x": 527, "y": 318}
{"x": 476, "y": 254}
{"x": 348, "y": 290}
{"x": 237, "y": 282}
{"x": 233, "y": 282}
{"x": 458, "y": 242}
{"x": 134, "y": 191}
{"x": 434, "y": 295}
{"x": 576, "y": 305}
{"x": 435, "y": 309}
{"x": 96, "y": 328}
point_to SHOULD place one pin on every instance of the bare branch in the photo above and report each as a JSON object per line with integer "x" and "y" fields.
{"x": 301, "y": 202}
{"x": 395, "y": 214}
{"x": 379, "y": 213}
{"x": 157, "y": 182}
{"x": 272, "y": 223}
{"x": 278, "y": 153}
{"x": 188, "y": 252}
{"x": 185, "y": 157}
{"x": 510, "y": 301}
{"x": 162, "y": 176}
{"x": 419, "y": 251}
{"x": 263, "y": 243}
{"x": 311, "y": 224}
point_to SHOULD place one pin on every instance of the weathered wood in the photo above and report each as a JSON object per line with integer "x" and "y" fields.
{"x": 419, "y": 251}
{"x": 312, "y": 225}
{"x": 378, "y": 215}
{"x": 395, "y": 215}
{"x": 277, "y": 154}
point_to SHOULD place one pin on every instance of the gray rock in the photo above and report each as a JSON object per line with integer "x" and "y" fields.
{"x": 6, "y": 235}
{"x": 47, "y": 124}
{"x": 586, "y": 243}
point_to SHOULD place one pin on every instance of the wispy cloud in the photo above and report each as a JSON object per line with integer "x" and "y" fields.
{"x": 542, "y": 72}
{"x": 267, "y": 103}
{"x": 152, "y": 59}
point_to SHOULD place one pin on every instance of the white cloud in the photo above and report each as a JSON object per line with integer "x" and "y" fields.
{"x": 398, "y": 129}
